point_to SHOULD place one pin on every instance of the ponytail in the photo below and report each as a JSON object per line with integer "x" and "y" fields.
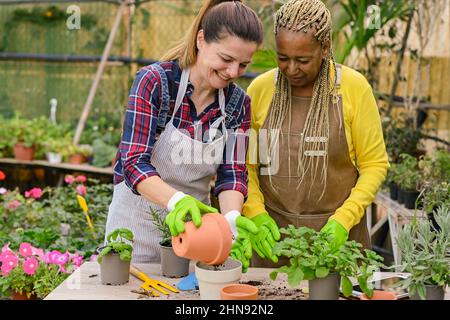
{"x": 215, "y": 18}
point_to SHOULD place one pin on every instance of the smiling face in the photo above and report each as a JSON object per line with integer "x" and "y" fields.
{"x": 220, "y": 62}
{"x": 299, "y": 57}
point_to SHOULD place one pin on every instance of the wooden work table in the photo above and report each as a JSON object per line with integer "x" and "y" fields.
{"x": 84, "y": 284}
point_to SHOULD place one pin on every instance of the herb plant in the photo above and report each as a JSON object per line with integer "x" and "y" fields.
{"x": 424, "y": 252}
{"x": 159, "y": 223}
{"x": 311, "y": 256}
{"x": 118, "y": 241}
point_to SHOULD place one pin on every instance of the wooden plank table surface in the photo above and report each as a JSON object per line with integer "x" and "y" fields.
{"x": 85, "y": 284}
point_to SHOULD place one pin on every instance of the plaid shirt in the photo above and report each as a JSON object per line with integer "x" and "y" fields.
{"x": 140, "y": 128}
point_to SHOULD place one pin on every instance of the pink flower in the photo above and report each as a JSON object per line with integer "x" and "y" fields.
{"x": 80, "y": 179}
{"x": 25, "y": 249}
{"x": 62, "y": 259}
{"x": 57, "y": 257}
{"x": 93, "y": 257}
{"x": 81, "y": 190}
{"x": 3, "y": 191}
{"x": 9, "y": 263}
{"x": 51, "y": 257}
{"x": 30, "y": 265}
{"x": 6, "y": 269}
{"x": 13, "y": 204}
{"x": 77, "y": 260}
{"x": 35, "y": 193}
{"x": 38, "y": 252}
{"x": 69, "y": 179}
{"x": 6, "y": 248}
{"x": 5, "y": 255}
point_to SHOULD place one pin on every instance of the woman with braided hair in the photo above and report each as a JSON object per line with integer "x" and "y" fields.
{"x": 326, "y": 158}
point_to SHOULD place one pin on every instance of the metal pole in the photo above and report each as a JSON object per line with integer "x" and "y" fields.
{"x": 98, "y": 75}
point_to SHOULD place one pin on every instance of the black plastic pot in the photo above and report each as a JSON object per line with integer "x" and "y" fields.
{"x": 393, "y": 191}
{"x": 433, "y": 220}
{"x": 401, "y": 196}
{"x": 410, "y": 197}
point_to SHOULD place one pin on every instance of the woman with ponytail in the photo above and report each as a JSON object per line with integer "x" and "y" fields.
{"x": 324, "y": 156}
{"x": 187, "y": 122}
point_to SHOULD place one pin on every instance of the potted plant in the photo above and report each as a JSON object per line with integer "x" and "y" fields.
{"x": 312, "y": 258}
{"x": 212, "y": 278}
{"x": 410, "y": 178}
{"x": 24, "y": 139}
{"x": 103, "y": 153}
{"x": 56, "y": 149}
{"x": 434, "y": 195}
{"x": 424, "y": 253}
{"x": 172, "y": 266}
{"x": 392, "y": 179}
{"x": 78, "y": 154}
{"x": 115, "y": 257}
{"x": 32, "y": 273}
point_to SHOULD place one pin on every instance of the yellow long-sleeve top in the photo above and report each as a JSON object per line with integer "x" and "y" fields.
{"x": 364, "y": 138}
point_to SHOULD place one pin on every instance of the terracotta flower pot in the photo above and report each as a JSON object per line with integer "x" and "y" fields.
{"x": 21, "y": 152}
{"x": 239, "y": 291}
{"x": 380, "y": 295}
{"x": 22, "y": 296}
{"x": 210, "y": 243}
{"x": 77, "y": 158}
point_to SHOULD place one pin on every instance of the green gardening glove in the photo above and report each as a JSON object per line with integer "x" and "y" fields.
{"x": 268, "y": 234}
{"x": 337, "y": 231}
{"x": 242, "y": 229}
{"x": 179, "y": 206}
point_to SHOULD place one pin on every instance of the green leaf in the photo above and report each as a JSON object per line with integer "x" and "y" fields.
{"x": 347, "y": 286}
{"x": 295, "y": 276}
{"x": 273, "y": 275}
{"x": 322, "y": 272}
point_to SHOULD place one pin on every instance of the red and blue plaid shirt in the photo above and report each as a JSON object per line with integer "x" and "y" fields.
{"x": 140, "y": 128}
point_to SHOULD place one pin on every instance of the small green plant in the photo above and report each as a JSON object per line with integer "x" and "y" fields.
{"x": 408, "y": 169}
{"x": 435, "y": 195}
{"x": 311, "y": 256}
{"x": 103, "y": 153}
{"x": 159, "y": 223}
{"x": 424, "y": 251}
{"x": 118, "y": 241}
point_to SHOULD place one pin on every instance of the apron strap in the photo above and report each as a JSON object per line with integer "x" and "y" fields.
{"x": 165, "y": 97}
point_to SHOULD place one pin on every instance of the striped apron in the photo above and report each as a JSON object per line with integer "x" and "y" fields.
{"x": 186, "y": 164}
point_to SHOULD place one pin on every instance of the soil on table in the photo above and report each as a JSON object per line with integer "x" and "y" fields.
{"x": 267, "y": 290}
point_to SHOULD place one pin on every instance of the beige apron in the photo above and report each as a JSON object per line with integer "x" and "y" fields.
{"x": 191, "y": 174}
{"x": 289, "y": 205}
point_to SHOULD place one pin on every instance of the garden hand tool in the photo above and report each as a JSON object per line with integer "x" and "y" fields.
{"x": 337, "y": 231}
{"x": 268, "y": 233}
{"x": 189, "y": 282}
{"x": 179, "y": 206}
{"x": 151, "y": 284}
{"x": 84, "y": 206}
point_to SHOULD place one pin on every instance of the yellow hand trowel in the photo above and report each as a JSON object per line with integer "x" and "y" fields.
{"x": 151, "y": 284}
{"x": 84, "y": 206}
